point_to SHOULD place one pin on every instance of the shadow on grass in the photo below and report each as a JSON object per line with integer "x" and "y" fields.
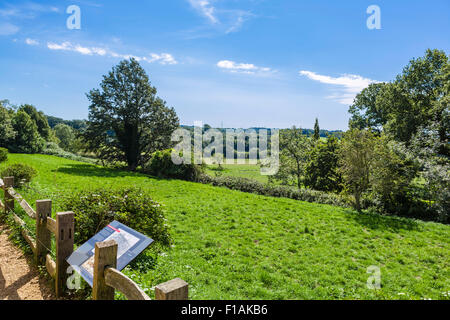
{"x": 377, "y": 221}
{"x": 87, "y": 170}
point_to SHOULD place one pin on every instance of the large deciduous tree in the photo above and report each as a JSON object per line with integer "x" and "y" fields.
{"x": 322, "y": 171}
{"x": 7, "y": 133}
{"x": 356, "y": 161}
{"x": 127, "y": 121}
{"x": 27, "y": 139}
{"x": 295, "y": 152}
{"x": 418, "y": 97}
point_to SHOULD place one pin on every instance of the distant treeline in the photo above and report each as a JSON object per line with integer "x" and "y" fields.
{"x": 308, "y": 132}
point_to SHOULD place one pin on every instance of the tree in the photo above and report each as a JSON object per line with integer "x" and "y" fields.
{"x": 322, "y": 171}
{"x": 416, "y": 98}
{"x": 356, "y": 158}
{"x": 295, "y": 148}
{"x": 27, "y": 139}
{"x": 7, "y": 133}
{"x": 39, "y": 119}
{"x": 391, "y": 174}
{"x": 65, "y": 135}
{"x": 365, "y": 113}
{"x": 316, "y": 130}
{"x": 127, "y": 122}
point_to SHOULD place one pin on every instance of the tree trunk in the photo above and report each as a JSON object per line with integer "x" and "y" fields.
{"x": 358, "y": 201}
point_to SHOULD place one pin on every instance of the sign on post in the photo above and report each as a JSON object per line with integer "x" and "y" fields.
{"x": 130, "y": 244}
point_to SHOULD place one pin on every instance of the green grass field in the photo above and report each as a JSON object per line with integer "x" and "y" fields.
{"x": 250, "y": 171}
{"x": 234, "y": 245}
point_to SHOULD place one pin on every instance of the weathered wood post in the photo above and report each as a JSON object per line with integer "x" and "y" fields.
{"x": 64, "y": 248}
{"x": 9, "y": 200}
{"x": 175, "y": 289}
{"x": 43, "y": 235}
{"x": 105, "y": 256}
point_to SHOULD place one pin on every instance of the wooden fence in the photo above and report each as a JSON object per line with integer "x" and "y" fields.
{"x": 107, "y": 279}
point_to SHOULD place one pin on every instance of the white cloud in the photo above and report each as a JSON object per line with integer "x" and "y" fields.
{"x": 205, "y": 8}
{"x": 348, "y": 85}
{"x": 163, "y": 58}
{"x": 31, "y": 42}
{"x": 247, "y": 68}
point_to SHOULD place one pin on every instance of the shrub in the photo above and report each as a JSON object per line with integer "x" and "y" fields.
{"x": 22, "y": 173}
{"x": 95, "y": 209}
{"x": 253, "y": 186}
{"x": 53, "y": 149}
{"x": 3, "y": 154}
{"x": 161, "y": 165}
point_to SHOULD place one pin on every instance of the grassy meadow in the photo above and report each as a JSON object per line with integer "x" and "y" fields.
{"x": 250, "y": 171}
{"x": 234, "y": 245}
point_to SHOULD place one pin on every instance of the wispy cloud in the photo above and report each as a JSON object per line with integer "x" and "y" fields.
{"x": 162, "y": 58}
{"x": 246, "y": 68}
{"x": 205, "y": 8}
{"x": 220, "y": 20}
{"x": 7, "y": 29}
{"x": 27, "y": 10}
{"x": 347, "y": 86}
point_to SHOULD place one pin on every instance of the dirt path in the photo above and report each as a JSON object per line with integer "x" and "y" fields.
{"x": 19, "y": 280}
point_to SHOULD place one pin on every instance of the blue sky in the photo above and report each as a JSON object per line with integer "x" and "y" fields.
{"x": 236, "y": 63}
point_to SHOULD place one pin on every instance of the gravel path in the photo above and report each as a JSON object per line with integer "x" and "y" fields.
{"x": 18, "y": 279}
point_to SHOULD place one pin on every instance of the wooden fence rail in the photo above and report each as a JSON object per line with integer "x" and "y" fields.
{"x": 106, "y": 278}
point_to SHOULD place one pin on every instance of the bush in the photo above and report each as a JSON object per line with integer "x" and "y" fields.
{"x": 253, "y": 186}
{"x": 161, "y": 165}
{"x": 22, "y": 173}
{"x": 3, "y": 154}
{"x": 95, "y": 209}
{"x": 53, "y": 149}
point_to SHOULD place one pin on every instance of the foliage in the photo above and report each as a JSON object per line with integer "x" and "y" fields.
{"x": 27, "y": 138}
{"x": 295, "y": 150}
{"x": 22, "y": 173}
{"x": 3, "y": 154}
{"x": 7, "y": 133}
{"x": 53, "y": 149}
{"x": 253, "y": 186}
{"x": 316, "y": 135}
{"x": 127, "y": 122}
{"x": 95, "y": 209}
{"x": 365, "y": 113}
{"x": 39, "y": 119}
{"x": 65, "y": 135}
{"x": 322, "y": 171}
{"x": 391, "y": 175}
{"x": 432, "y": 154}
{"x": 356, "y": 156}
{"x": 414, "y": 99}
{"x": 161, "y": 165}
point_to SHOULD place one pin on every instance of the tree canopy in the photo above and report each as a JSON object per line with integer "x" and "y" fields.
{"x": 127, "y": 121}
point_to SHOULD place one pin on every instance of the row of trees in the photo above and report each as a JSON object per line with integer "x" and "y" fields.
{"x": 395, "y": 155}
{"x": 24, "y": 129}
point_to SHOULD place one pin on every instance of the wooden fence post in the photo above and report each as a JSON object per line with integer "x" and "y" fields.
{"x": 64, "y": 235}
{"x": 43, "y": 235}
{"x": 176, "y": 289}
{"x": 9, "y": 200}
{"x": 105, "y": 256}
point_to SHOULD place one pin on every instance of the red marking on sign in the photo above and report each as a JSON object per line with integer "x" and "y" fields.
{"x": 113, "y": 228}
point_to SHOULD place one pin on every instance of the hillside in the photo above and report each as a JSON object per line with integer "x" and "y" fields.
{"x": 233, "y": 245}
